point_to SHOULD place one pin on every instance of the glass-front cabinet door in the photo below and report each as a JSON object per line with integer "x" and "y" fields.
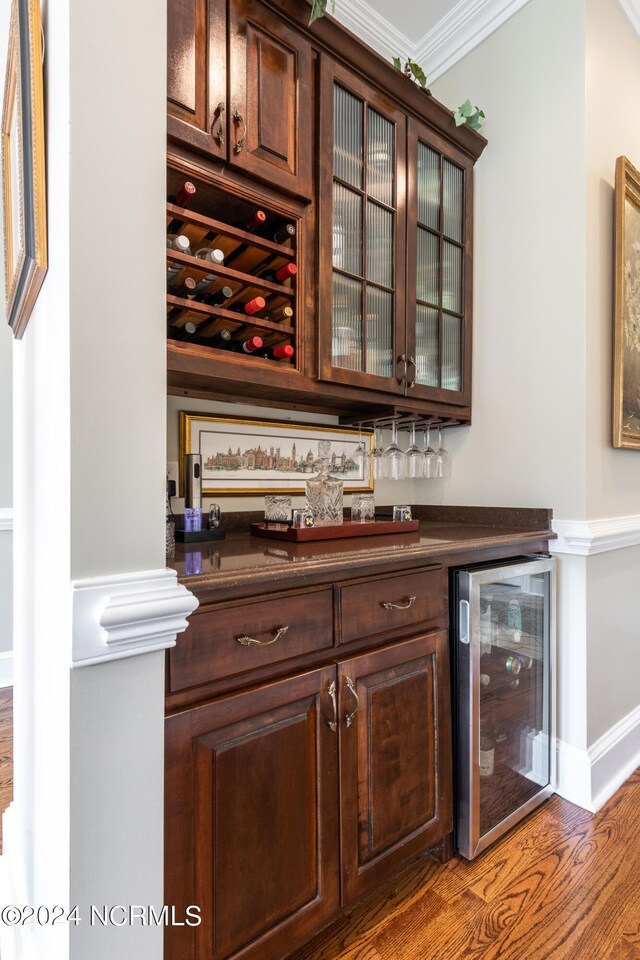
{"x": 362, "y": 235}
{"x": 439, "y": 269}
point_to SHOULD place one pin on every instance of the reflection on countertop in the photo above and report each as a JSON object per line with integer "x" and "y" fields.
{"x": 241, "y": 558}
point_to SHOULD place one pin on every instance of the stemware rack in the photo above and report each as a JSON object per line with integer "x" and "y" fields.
{"x": 260, "y": 252}
{"x": 403, "y": 419}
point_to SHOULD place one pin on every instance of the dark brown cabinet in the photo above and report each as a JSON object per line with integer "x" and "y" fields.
{"x": 290, "y": 799}
{"x": 248, "y": 108}
{"x": 252, "y": 819}
{"x": 395, "y": 758}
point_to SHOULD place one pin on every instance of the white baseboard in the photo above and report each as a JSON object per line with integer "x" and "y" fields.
{"x": 590, "y": 777}
{"x": 6, "y": 669}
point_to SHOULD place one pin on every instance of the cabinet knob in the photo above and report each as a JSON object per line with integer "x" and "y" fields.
{"x": 249, "y": 641}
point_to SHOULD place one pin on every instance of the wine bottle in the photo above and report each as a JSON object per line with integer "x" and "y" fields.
{"x": 245, "y": 346}
{"x": 250, "y": 307}
{"x": 280, "y": 313}
{"x": 220, "y": 339}
{"x": 183, "y": 198}
{"x": 286, "y": 272}
{"x": 287, "y": 232}
{"x": 186, "y": 289}
{"x": 217, "y": 298}
{"x": 277, "y": 353}
{"x": 255, "y": 222}
{"x": 214, "y": 254}
{"x": 182, "y": 333}
{"x": 178, "y": 242}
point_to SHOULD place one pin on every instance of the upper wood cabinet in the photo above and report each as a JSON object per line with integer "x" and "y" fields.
{"x": 395, "y": 248}
{"x": 248, "y": 108}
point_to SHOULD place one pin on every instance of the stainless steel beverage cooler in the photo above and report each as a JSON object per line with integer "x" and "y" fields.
{"x": 504, "y": 638}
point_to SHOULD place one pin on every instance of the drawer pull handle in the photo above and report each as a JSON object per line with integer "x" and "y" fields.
{"x": 333, "y": 724}
{"x": 248, "y": 641}
{"x": 351, "y": 687}
{"x": 400, "y": 606}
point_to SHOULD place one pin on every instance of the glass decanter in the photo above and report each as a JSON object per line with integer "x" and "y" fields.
{"x": 324, "y": 492}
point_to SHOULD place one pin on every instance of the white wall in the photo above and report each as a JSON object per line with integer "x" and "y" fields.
{"x": 6, "y": 468}
{"x": 613, "y": 94}
{"x": 527, "y": 443}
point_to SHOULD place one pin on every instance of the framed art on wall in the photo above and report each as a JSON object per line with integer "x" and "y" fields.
{"x": 23, "y": 166}
{"x": 258, "y": 457}
{"x": 626, "y": 337}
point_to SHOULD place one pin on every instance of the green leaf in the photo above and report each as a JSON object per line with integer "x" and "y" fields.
{"x": 467, "y": 113}
{"x": 397, "y": 62}
{"x": 459, "y": 119}
{"x": 418, "y": 73}
{"x": 318, "y": 9}
{"x": 466, "y": 109}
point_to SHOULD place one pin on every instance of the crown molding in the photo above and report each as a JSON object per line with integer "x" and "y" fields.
{"x": 463, "y": 28}
{"x": 128, "y": 614}
{"x": 631, "y": 9}
{"x": 583, "y": 538}
{"x": 372, "y": 28}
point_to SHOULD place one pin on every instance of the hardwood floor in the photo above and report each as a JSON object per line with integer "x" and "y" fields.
{"x": 564, "y": 884}
{"x": 6, "y": 751}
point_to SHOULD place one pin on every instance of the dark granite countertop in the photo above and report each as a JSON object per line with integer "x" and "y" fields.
{"x": 240, "y": 563}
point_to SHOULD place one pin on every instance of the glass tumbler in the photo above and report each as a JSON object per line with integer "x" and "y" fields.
{"x": 363, "y": 508}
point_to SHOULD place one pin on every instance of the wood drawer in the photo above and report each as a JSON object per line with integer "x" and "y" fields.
{"x": 210, "y": 648}
{"x": 416, "y": 596}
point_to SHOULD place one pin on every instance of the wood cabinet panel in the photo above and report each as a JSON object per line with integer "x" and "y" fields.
{"x": 377, "y": 605}
{"x": 211, "y": 647}
{"x": 271, "y": 90}
{"x": 197, "y": 74}
{"x": 259, "y": 806}
{"x": 395, "y": 758}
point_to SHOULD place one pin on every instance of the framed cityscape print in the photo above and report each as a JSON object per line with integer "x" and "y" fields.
{"x": 258, "y": 457}
{"x": 23, "y": 166}
{"x": 626, "y": 336}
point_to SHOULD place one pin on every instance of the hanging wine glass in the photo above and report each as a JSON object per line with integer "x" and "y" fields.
{"x": 360, "y": 453}
{"x": 429, "y": 456}
{"x": 443, "y": 462}
{"x": 394, "y": 458}
{"x": 414, "y": 460}
{"x": 377, "y": 455}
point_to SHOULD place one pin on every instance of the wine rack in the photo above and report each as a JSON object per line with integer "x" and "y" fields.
{"x": 210, "y": 221}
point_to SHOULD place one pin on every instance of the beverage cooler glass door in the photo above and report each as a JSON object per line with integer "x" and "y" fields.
{"x": 505, "y": 703}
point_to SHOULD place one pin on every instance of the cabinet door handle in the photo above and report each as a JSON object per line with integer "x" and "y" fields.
{"x": 388, "y": 605}
{"x": 403, "y": 379}
{"x": 238, "y": 118}
{"x": 333, "y": 724}
{"x": 248, "y": 641}
{"x": 217, "y": 119}
{"x": 351, "y": 687}
{"x": 412, "y": 363}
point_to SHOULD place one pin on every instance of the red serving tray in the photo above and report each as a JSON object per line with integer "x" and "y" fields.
{"x": 374, "y": 528}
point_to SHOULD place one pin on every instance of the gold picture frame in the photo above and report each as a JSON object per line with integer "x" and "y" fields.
{"x": 626, "y": 327}
{"x": 232, "y": 465}
{"x": 23, "y": 166}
